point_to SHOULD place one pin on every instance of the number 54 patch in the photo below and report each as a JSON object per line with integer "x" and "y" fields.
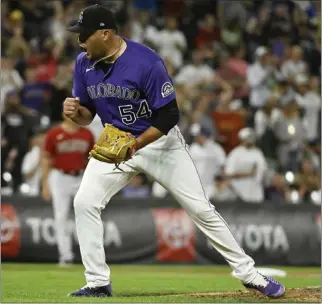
{"x": 129, "y": 117}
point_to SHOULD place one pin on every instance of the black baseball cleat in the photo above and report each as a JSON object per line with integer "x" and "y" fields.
{"x": 96, "y": 292}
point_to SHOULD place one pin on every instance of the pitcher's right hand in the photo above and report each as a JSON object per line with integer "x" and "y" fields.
{"x": 71, "y": 106}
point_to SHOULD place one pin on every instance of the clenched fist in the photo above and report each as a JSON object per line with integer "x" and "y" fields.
{"x": 71, "y": 106}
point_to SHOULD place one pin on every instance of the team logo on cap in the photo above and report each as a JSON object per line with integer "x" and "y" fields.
{"x": 167, "y": 89}
{"x": 80, "y": 19}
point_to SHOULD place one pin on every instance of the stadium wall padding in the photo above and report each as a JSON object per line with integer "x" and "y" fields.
{"x": 159, "y": 231}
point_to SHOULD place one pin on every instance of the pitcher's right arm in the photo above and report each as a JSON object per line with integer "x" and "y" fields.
{"x": 77, "y": 113}
{"x": 80, "y": 108}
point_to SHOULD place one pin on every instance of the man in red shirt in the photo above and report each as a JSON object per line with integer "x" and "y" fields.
{"x": 64, "y": 159}
{"x": 228, "y": 122}
{"x": 44, "y": 64}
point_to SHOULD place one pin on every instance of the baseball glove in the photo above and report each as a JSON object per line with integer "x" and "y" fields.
{"x": 114, "y": 146}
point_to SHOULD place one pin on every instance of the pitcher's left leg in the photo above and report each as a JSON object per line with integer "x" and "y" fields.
{"x": 176, "y": 172}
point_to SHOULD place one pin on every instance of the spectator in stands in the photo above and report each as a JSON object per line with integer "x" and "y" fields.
{"x": 310, "y": 154}
{"x": 266, "y": 117}
{"x": 74, "y": 7}
{"x": 208, "y": 32}
{"x": 279, "y": 24}
{"x": 137, "y": 188}
{"x": 171, "y": 42}
{"x": 57, "y": 29}
{"x": 61, "y": 86}
{"x": 231, "y": 33}
{"x": 149, "y": 5}
{"x": 228, "y": 122}
{"x": 308, "y": 179}
{"x": 34, "y": 14}
{"x": 265, "y": 120}
{"x": 291, "y": 134}
{"x": 233, "y": 11}
{"x": 246, "y": 167}
{"x": 44, "y": 63}
{"x": 10, "y": 78}
{"x": 310, "y": 102}
{"x": 285, "y": 92}
{"x": 307, "y": 41}
{"x": 233, "y": 69}
{"x": 280, "y": 29}
{"x": 141, "y": 29}
{"x": 254, "y": 31}
{"x": 315, "y": 84}
{"x": 195, "y": 76}
{"x": 295, "y": 65}
{"x": 209, "y": 158}
{"x": 259, "y": 75}
{"x": 31, "y": 169}
{"x": 17, "y": 123}
{"x": 174, "y": 8}
{"x": 223, "y": 190}
{"x": 275, "y": 185}
{"x": 35, "y": 95}
{"x": 6, "y": 29}
{"x": 17, "y": 45}
{"x": 16, "y": 25}
{"x": 189, "y": 22}
{"x": 206, "y": 99}
{"x": 237, "y": 61}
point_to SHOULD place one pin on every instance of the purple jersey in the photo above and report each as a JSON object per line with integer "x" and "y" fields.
{"x": 126, "y": 96}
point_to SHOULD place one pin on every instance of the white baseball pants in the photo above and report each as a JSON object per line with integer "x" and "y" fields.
{"x": 168, "y": 162}
{"x": 63, "y": 188}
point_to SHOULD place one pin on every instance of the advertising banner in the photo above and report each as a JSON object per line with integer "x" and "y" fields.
{"x": 176, "y": 235}
{"x": 10, "y": 231}
{"x": 277, "y": 235}
{"x": 28, "y": 232}
{"x": 157, "y": 231}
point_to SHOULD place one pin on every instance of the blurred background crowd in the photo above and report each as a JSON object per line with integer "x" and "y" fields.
{"x": 247, "y": 76}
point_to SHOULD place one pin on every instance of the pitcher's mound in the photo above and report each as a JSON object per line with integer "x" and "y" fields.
{"x": 298, "y": 295}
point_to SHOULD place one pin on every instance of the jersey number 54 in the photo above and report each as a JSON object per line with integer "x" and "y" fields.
{"x": 129, "y": 116}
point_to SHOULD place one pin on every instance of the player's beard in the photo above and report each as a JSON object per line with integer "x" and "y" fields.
{"x": 94, "y": 55}
{"x": 89, "y": 55}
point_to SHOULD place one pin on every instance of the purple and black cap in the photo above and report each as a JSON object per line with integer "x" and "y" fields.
{"x": 91, "y": 19}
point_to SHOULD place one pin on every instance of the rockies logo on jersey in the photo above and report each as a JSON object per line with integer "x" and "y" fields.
{"x": 167, "y": 89}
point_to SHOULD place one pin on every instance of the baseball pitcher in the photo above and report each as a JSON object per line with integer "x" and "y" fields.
{"x": 127, "y": 85}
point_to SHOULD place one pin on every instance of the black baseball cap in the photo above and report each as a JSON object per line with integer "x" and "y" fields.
{"x": 93, "y": 18}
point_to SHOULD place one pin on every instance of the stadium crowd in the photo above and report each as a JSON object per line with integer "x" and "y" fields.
{"x": 247, "y": 76}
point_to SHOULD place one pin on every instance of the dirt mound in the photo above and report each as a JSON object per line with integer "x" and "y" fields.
{"x": 297, "y": 295}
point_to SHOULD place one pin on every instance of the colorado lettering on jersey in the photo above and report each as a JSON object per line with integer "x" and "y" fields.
{"x": 110, "y": 90}
{"x": 73, "y": 145}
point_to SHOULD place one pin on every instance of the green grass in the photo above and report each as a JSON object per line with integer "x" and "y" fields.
{"x": 136, "y": 283}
